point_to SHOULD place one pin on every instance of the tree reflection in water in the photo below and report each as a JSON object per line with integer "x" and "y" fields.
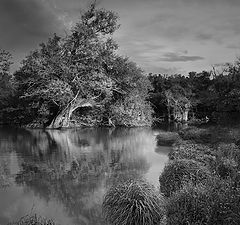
{"x": 76, "y": 166}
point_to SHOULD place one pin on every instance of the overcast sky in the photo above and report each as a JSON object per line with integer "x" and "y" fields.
{"x": 161, "y": 36}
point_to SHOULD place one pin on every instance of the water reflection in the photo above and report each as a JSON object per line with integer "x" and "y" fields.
{"x": 64, "y": 174}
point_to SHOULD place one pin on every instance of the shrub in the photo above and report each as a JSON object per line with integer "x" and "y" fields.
{"x": 133, "y": 203}
{"x": 179, "y": 172}
{"x": 33, "y": 220}
{"x": 225, "y": 198}
{"x": 215, "y": 202}
{"x": 230, "y": 151}
{"x": 167, "y": 138}
{"x": 199, "y": 135}
{"x": 190, "y": 205}
{"x": 192, "y": 151}
{"x": 226, "y": 168}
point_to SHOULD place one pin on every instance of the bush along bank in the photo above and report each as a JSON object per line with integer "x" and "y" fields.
{"x": 200, "y": 185}
{"x": 201, "y": 182}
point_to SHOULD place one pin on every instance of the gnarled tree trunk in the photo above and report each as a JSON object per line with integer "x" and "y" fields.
{"x": 62, "y": 119}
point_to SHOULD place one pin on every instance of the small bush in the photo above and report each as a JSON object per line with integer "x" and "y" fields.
{"x": 179, "y": 172}
{"x": 167, "y": 138}
{"x": 190, "y": 205}
{"x": 199, "y": 135}
{"x": 33, "y": 220}
{"x": 224, "y": 201}
{"x": 214, "y": 202}
{"x": 134, "y": 203}
{"x": 226, "y": 168}
{"x": 192, "y": 151}
{"x": 230, "y": 151}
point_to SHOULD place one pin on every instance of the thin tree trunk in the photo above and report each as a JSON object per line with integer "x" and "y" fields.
{"x": 185, "y": 116}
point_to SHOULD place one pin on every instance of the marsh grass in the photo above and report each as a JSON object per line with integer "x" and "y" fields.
{"x": 193, "y": 151}
{"x": 179, "y": 172}
{"x": 33, "y": 220}
{"x": 167, "y": 138}
{"x": 189, "y": 205}
{"x": 134, "y": 203}
{"x": 207, "y": 191}
{"x": 199, "y": 135}
{"x": 215, "y": 202}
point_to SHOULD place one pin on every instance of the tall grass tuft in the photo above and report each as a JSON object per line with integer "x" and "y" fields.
{"x": 179, "y": 172}
{"x": 212, "y": 203}
{"x": 189, "y": 205}
{"x": 134, "y": 203}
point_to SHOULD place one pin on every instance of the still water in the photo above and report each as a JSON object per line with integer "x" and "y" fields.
{"x": 64, "y": 174}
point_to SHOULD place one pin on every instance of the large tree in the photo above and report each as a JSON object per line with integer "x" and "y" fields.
{"x": 77, "y": 71}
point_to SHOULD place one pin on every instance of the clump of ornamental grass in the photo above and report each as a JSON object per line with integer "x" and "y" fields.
{"x": 179, "y": 172}
{"x": 189, "y": 205}
{"x": 33, "y": 220}
{"x": 192, "y": 151}
{"x": 167, "y": 138}
{"x": 134, "y": 203}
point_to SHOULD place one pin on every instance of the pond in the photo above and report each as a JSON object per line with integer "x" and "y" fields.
{"x": 64, "y": 174}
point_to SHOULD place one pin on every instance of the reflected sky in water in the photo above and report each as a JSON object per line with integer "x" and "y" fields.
{"x": 64, "y": 174}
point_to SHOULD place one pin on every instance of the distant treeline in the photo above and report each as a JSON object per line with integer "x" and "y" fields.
{"x": 81, "y": 80}
{"x": 198, "y": 97}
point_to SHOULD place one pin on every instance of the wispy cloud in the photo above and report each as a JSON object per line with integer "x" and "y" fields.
{"x": 175, "y": 57}
{"x": 234, "y": 46}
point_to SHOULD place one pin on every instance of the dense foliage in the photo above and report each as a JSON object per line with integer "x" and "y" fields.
{"x": 198, "y": 96}
{"x": 81, "y": 71}
{"x": 210, "y": 199}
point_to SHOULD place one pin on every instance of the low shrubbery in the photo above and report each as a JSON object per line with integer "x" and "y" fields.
{"x": 199, "y": 135}
{"x": 192, "y": 151}
{"x": 216, "y": 202}
{"x": 33, "y": 220}
{"x": 229, "y": 151}
{"x": 179, "y": 172}
{"x": 167, "y": 138}
{"x": 209, "y": 194}
{"x": 134, "y": 203}
{"x": 189, "y": 205}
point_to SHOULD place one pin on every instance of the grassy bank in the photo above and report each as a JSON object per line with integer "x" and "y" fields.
{"x": 201, "y": 183}
{"x": 199, "y": 186}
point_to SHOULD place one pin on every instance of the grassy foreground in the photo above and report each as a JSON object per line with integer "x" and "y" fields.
{"x": 199, "y": 186}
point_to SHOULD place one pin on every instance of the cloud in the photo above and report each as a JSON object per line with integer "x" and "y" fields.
{"x": 234, "y": 46}
{"x": 24, "y": 23}
{"x": 166, "y": 70}
{"x": 175, "y": 57}
{"x": 204, "y": 36}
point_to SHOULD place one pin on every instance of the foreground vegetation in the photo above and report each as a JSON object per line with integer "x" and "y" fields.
{"x": 200, "y": 184}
